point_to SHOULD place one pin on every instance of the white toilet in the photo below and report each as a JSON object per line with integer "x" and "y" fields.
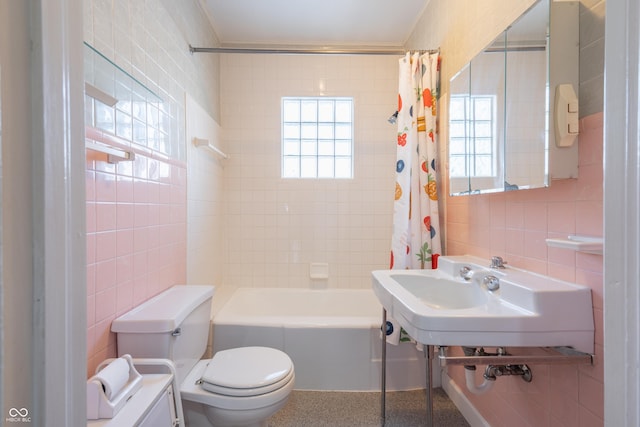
{"x": 237, "y": 387}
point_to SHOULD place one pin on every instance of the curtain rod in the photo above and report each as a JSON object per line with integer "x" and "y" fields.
{"x": 515, "y": 49}
{"x": 302, "y": 51}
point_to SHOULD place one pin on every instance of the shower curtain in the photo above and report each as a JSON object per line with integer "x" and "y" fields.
{"x": 416, "y": 229}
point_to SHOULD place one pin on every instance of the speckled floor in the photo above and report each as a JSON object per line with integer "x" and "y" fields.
{"x": 362, "y": 409}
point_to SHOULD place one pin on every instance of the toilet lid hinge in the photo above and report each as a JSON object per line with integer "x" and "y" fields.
{"x": 176, "y": 332}
{"x": 198, "y": 382}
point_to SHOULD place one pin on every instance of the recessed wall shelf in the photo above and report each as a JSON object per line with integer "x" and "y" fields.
{"x": 591, "y": 245}
{"x": 123, "y": 116}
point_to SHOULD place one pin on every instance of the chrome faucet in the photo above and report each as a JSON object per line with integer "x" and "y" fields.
{"x": 466, "y": 273}
{"x": 491, "y": 282}
{"x": 497, "y": 262}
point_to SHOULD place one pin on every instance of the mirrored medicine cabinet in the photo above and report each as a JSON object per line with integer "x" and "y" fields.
{"x": 502, "y": 106}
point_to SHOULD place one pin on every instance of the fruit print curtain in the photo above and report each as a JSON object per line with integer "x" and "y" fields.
{"x": 416, "y": 229}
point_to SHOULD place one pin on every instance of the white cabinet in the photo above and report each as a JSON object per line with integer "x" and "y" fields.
{"x": 163, "y": 413}
{"x": 154, "y": 405}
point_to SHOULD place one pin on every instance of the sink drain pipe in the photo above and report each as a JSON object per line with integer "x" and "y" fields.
{"x": 469, "y": 374}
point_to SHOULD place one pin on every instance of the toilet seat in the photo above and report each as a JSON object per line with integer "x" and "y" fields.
{"x": 246, "y": 392}
{"x": 247, "y": 371}
{"x": 192, "y": 390}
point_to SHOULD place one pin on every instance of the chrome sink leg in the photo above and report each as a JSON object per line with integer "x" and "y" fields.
{"x": 383, "y": 367}
{"x": 383, "y": 376}
{"x": 429, "y": 356}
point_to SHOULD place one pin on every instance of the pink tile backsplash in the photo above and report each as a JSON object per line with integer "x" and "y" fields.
{"x": 519, "y": 223}
{"x": 124, "y": 189}
{"x": 105, "y": 216}
{"x": 105, "y": 245}
{"x": 591, "y": 395}
{"x": 105, "y": 303}
{"x": 136, "y": 240}
{"x": 105, "y": 186}
{"x": 105, "y": 274}
{"x": 124, "y": 269}
{"x": 124, "y": 215}
{"x": 91, "y": 216}
{"x": 515, "y": 215}
{"x": 561, "y": 217}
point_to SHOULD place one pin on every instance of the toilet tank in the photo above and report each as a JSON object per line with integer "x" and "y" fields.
{"x": 172, "y": 325}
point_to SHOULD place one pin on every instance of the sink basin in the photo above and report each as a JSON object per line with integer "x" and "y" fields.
{"x": 439, "y": 307}
{"x": 441, "y": 293}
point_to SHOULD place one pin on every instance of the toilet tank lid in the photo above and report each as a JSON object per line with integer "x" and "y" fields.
{"x": 164, "y": 312}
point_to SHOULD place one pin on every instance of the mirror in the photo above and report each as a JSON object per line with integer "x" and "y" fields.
{"x": 498, "y": 111}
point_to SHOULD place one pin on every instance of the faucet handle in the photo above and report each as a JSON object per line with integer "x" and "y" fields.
{"x": 491, "y": 282}
{"x": 466, "y": 273}
{"x": 497, "y": 262}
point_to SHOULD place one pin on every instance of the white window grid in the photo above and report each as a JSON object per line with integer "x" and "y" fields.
{"x": 472, "y": 136}
{"x": 317, "y": 137}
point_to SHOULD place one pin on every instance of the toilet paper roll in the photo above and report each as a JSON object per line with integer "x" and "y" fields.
{"x": 113, "y": 377}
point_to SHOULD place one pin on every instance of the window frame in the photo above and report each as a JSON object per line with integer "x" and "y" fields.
{"x": 469, "y": 124}
{"x": 296, "y": 132}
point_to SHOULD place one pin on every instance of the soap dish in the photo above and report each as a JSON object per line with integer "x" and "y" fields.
{"x": 588, "y": 244}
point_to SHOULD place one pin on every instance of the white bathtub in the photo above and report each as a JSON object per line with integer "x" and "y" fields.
{"x": 332, "y": 336}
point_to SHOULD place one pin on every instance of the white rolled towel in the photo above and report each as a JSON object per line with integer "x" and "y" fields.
{"x": 113, "y": 377}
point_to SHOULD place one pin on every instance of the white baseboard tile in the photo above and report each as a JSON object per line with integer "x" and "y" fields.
{"x": 468, "y": 411}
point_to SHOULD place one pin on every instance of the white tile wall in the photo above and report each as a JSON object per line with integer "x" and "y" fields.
{"x": 206, "y": 251}
{"x": 150, "y": 40}
{"x": 277, "y": 227}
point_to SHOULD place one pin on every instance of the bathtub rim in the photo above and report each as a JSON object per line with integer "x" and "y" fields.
{"x": 222, "y": 317}
{"x": 408, "y": 365}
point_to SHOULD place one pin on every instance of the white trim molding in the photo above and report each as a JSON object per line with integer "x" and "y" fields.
{"x": 59, "y": 232}
{"x": 622, "y": 214}
{"x": 17, "y": 236}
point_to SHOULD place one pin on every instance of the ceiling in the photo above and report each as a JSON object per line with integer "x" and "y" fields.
{"x": 316, "y": 23}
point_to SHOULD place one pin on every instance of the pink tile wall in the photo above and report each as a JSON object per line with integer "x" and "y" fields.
{"x": 515, "y": 225}
{"x": 136, "y": 239}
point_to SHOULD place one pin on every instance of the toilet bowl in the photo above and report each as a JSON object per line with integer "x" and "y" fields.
{"x": 237, "y": 387}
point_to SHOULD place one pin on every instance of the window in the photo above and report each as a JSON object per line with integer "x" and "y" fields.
{"x": 472, "y": 136}
{"x": 317, "y": 137}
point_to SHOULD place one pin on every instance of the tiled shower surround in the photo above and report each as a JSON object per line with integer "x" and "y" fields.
{"x": 277, "y": 226}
